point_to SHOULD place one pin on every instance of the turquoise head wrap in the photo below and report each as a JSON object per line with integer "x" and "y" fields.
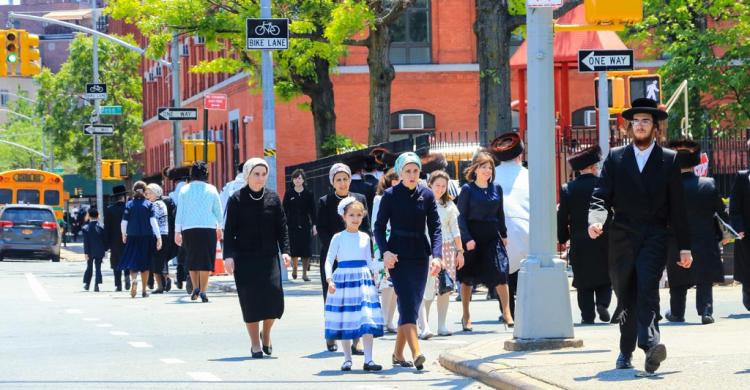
{"x": 405, "y": 159}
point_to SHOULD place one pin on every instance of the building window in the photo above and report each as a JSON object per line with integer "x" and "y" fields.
{"x": 411, "y": 36}
{"x": 3, "y": 98}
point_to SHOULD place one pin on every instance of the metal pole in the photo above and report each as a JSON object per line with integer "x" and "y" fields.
{"x": 269, "y": 110}
{"x": 97, "y": 140}
{"x": 543, "y": 308}
{"x": 205, "y": 135}
{"x": 176, "y": 100}
{"x": 603, "y": 103}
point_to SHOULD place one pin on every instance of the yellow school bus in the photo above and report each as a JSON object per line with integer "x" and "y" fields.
{"x": 32, "y": 186}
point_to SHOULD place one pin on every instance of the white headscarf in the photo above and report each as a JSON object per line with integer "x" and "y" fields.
{"x": 251, "y": 164}
{"x": 337, "y": 168}
{"x": 156, "y": 189}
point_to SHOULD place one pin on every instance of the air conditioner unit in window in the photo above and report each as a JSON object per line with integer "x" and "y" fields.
{"x": 589, "y": 118}
{"x": 411, "y": 121}
{"x": 185, "y": 50}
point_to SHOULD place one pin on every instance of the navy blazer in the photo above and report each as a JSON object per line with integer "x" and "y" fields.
{"x": 408, "y": 212}
{"x": 94, "y": 241}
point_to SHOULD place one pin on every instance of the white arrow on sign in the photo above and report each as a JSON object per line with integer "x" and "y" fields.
{"x": 178, "y": 113}
{"x": 99, "y": 129}
{"x": 593, "y": 61}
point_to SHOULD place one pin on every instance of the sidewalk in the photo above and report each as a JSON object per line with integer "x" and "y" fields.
{"x": 699, "y": 356}
{"x": 73, "y": 251}
{"x": 291, "y": 287}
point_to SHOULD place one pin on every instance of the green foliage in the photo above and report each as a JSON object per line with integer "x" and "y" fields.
{"x": 337, "y": 144}
{"x": 21, "y": 131}
{"x": 66, "y": 112}
{"x": 706, "y": 43}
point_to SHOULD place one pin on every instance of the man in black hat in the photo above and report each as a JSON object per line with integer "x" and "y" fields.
{"x": 112, "y": 218}
{"x": 702, "y": 201}
{"x": 587, "y": 256}
{"x": 641, "y": 184}
{"x": 739, "y": 210}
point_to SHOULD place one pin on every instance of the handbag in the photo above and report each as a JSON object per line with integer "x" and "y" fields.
{"x": 445, "y": 283}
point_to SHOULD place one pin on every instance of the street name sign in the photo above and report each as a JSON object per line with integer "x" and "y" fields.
{"x": 96, "y": 91}
{"x": 604, "y": 60}
{"x": 97, "y": 129}
{"x": 215, "y": 101}
{"x": 268, "y": 34}
{"x": 544, "y": 3}
{"x": 110, "y": 110}
{"x": 177, "y": 114}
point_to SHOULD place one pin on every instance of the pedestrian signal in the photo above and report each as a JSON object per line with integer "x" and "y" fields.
{"x": 648, "y": 86}
{"x": 30, "y": 57}
{"x": 616, "y": 89}
{"x": 114, "y": 169}
{"x": 613, "y": 12}
{"x": 192, "y": 150}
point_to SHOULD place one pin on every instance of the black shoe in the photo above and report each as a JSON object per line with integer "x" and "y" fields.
{"x": 587, "y": 322}
{"x": 189, "y": 287}
{"x": 86, "y": 286}
{"x": 144, "y": 294}
{"x": 603, "y": 313}
{"x": 673, "y": 318}
{"x": 127, "y": 285}
{"x": 419, "y": 362}
{"x": 118, "y": 288}
{"x": 746, "y": 298}
{"x": 195, "y": 294}
{"x": 331, "y": 346}
{"x": 96, "y": 288}
{"x": 371, "y": 366}
{"x": 204, "y": 298}
{"x": 465, "y": 328}
{"x": 624, "y": 362}
{"x": 268, "y": 350}
{"x": 654, "y": 357}
{"x": 357, "y": 352}
{"x": 347, "y": 366}
{"x": 458, "y": 298}
{"x": 707, "y": 319}
{"x": 158, "y": 291}
{"x": 402, "y": 363}
{"x": 169, "y": 285}
{"x": 257, "y": 355}
{"x": 179, "y": 285}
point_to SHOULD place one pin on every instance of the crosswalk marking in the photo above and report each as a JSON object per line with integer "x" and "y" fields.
{"x": 37, "y": 288}
{"x": 204, "y": 377}
{"x": 139, "y": 344}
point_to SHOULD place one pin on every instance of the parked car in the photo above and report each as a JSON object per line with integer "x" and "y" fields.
{"x": 29, "y": 231}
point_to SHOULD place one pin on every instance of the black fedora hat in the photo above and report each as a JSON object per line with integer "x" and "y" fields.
{"x": 506, "y": 147}
{"x": 434, "y": 162}
{"x": 688, "y": 152}
{"x": 119, "y": 190}
{"x": 585, "y": 158}
{"x": 645, "y": 106}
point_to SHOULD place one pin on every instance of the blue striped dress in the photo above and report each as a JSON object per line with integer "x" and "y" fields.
{"x": 354, "y": 309}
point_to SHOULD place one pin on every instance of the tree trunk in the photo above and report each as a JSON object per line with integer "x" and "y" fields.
{"x": 320, "y": 91}
{"x": 382, "y": 74}
{"x": 493, "y": 52}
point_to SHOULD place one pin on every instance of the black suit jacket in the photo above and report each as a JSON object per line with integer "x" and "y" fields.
{"x": 739, "y": 210}
{"x": 652, "y": 198}
{"x": 587, "y": 257}
{"x": 113, "y": 235}
{"x": 329, "y": 222}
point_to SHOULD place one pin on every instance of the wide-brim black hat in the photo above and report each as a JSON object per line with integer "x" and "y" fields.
{"x": 506, "y": 147}
{"x": 688, "y": 152}
{"x": 356, "y": 161}
{"x": 645, "y": 106}
{"x": 119, "y": 190}
{"x": 199, "y": 171}
{"x": 585, "y": 158}
{"x": 384, "y": 157}
{"x": 434, "y": 162}
{"x": 177, "y": 173}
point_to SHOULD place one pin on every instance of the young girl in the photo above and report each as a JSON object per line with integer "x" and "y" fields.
{"x": 352, "y": 306}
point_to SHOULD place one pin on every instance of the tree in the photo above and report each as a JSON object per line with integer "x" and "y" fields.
{"x": 496, "y": 21}
{"x": 302, "y": 69}
{"x": 22, "y": 131}
{"x": 59, "y": 98}
{"x": 705, "y": 42}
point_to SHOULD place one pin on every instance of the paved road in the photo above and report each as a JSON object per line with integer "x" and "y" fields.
{"x": 54, "y": 335}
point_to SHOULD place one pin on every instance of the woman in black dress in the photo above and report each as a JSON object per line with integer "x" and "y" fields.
{"x": 482, "y": 223}
{"x": 299, "y": 207}
{"x": 254, "y": 233}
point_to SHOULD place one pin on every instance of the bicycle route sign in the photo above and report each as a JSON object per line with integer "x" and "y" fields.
{"x": 96, "y": 91}
{"x": 267, "y": 34}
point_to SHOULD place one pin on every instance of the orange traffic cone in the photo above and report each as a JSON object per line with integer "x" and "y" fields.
{"x": 219, "y": 262}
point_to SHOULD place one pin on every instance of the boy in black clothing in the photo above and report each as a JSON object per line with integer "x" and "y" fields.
{"x": 94, "y": 247}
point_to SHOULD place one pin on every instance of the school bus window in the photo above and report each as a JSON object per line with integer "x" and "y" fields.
{"x": 27, "y": 196}
{"x": 6, "y": 196}
{"x": 52, "y": 197}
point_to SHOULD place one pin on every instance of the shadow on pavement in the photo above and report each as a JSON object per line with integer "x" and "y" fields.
{"x": 324, "y": 355}
{"x": 232, "y": 359}
{"x": 581, "y": 352}
{"x": 737, "y": 316}
{"x": 743, "y": 371}
{"x": 615, "y": 375}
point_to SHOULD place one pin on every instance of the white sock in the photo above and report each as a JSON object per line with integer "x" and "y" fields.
{"x": 346, "y": 345}
{"x": 367, "y": 341}
{"x": 442, "y": 307}
{"x": 424, "y": 327}
{"x": 427, "y": 305}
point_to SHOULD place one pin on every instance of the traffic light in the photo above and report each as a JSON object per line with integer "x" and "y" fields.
{"x": 121, "y": 169}
{"x": 648, "y": 86}
{"x": 114, "y": 169}
{"x": 192, "y": 150}
{"x": 613, "y": 12}
{"x": 107, "y": 173}
{"x": 10, "y": 52}
{"x": 30, "y": 57}
{"x": 616, "y": 89}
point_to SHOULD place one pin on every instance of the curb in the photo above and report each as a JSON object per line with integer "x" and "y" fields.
{"x": 492, "y": 374}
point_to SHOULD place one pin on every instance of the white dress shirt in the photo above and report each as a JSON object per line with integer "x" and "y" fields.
{"x": 641, "y": 156}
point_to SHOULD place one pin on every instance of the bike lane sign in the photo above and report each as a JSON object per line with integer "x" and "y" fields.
{"x": 267, "y": 34}
{"x": 96, "y": 91}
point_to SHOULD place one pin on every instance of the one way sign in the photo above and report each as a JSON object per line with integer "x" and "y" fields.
{"x": 177, "y": 114}
{"x": 604, "y": 60}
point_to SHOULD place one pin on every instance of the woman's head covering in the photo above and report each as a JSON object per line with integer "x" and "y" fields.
{"x": 337, "y": 168}
{"x": 199, "y": 171}
{"x": 252, "y": 164}
{"x": 156, "y": 189}
{"x": 345, "y": 202}
{"x": 407, "y": 158}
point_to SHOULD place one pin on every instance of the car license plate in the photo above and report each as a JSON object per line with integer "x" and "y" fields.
{"x": 26, "y": 231}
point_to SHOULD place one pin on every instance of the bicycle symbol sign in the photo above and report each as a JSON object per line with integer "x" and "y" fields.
{"x": 96, "y": 91}
{"x": 267, "y": 34}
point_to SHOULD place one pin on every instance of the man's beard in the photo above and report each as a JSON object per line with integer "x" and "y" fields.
{"x": 645, "y": 141}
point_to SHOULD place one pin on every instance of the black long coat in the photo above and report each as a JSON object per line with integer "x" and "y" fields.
{"x": 739, "y": 210}
{"x": 587, "y": 257}
{"x": 645, "y": 204}
{"x": 112, "y": 218}
{"x": 702, "y": 200}
{"x": 299, "y": 208}
{"x": 329, "y": 222}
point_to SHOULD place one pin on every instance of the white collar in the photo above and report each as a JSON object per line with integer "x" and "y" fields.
{"x": 646, "y": 152}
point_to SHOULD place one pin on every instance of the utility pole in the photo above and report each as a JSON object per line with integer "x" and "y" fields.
{"x": 176, "y": 101}
{"x": 269, "y": 109}
{"x": 97, "y": 138}
{"x": 603, "y": 91}
{"x": 543, "y": 317}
